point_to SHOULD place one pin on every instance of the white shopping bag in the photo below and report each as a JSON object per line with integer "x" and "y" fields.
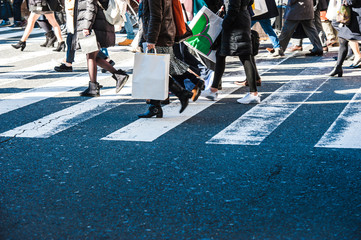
{"x": 333, "y": 7}
{"x": 150, "y": 76}
{"x": 206, "y": 26}
{"x": 259, "y": 7}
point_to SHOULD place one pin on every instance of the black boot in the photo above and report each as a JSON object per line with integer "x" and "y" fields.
{"x": 182, "y": 94}
{"x": 20, "y": 45}
{"x": 61, "y": 47}
{"x": 336, "y": 71}
{"x": 153, "y": 110}
{"x": 121, "y": 78}
{"x": 92, "y": 91}
{"x": 48, "y": 36}
{"x": 52, "y": 39}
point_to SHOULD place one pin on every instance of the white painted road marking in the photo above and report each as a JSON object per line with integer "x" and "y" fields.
{"x": 345, "y": 132}
{"x": 69, "y": 117}
{"x": 260, "y": 121}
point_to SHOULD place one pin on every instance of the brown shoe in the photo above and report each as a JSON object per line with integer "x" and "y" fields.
{"x": 295, "y": 48}
{"x": 126, "y": 42}
{"x": 270, "y": 50}
{"x": 245, "y": 83}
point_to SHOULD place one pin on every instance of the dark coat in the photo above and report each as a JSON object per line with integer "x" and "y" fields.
{"x": 353, "y": 30}
{"x": 299, "y": 10}
{"x": 158, "y": 22}
{"x": 272, "y": 11}
{"x": 214, "y": 5}
{"x": 236, "y": 29}
{"x": 90, "y": 16}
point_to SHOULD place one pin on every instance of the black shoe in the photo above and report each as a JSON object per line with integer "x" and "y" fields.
{"x": 312, "y": 54}
{"x": 152, "y": 111}
{"x": 336, "y": 71}
{"x": 182, "y": 94}
{"x": 20, "y": 45}
{"x": 92, "y": 91}
{"x": 121, "y": 79}
{"x": 61, "y": 47}
{"x": 63, "y": 68}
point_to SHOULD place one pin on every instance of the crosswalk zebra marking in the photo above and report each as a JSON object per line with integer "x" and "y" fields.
{"x": 345, "y": 130}
{"x": 19, "y": 34}
{"x": 260, "y": 121}
{"x": 69, "y": 117}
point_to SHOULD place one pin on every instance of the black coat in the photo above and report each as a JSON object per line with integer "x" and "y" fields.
{"x": 158, "y": 22}
{"x": 214, "y": 5}
{"x": 236, "y": 29}
{"x": 90, "y": 16}
{"x": 353, "y": 30}
{"x": 272, "y": 11}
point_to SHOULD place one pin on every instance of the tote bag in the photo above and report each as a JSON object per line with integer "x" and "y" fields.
{"x": 89, "y": 43}
{"x": 150, "y": 76}
{"x": 259, "y": 7}
{"x": 333, "y": 7}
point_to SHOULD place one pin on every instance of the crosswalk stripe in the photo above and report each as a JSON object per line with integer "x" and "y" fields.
{"x": 18, "y": 34}
{"x": 345, "y": 130}
{"x": 69, "y": 117}
{"x": 260, "y": 121}
{"x": 24, "y": 56}
{"x": 148, "y": 130}
{"x": 34, "y": 95}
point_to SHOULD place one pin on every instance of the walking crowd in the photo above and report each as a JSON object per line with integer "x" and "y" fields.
{"x": 326, "y": 23}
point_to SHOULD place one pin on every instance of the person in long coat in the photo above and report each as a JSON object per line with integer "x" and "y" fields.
{"x": 236, "y": 41}
{"x": 349, "y": 34}
{"x": 90, "y": 17}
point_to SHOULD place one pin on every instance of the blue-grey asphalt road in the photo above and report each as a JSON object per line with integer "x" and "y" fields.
{"x": 78, "y": 168}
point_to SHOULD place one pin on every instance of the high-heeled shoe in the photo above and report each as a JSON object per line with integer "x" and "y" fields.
{"x": 153, "y": 110}
{"x": 20, "y": 45}
{"x": 60, "y": 47}
{"x": 336, "y": 71}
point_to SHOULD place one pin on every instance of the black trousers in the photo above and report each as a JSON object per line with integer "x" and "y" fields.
{"x": 249, "y": 67}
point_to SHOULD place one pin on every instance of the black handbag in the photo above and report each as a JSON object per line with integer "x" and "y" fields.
{"x": 55, "y": 5}
{"x": 255, "y": 42}
{"x": 5, "y": 9}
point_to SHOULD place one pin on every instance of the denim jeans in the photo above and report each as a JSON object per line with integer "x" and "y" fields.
{"x": 129, "y": 27}
{"x": 70, "y": 53}
{"x": 267, "y": 28}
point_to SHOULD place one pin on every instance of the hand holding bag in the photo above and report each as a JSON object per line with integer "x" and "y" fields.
{"x": 150, "y": 76}
{"x": 89, "y": 44}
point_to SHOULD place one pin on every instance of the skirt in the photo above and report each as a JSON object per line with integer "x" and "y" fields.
{"x": 176, "y": 66}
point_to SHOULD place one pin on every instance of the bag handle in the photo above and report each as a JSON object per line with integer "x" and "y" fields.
{"x": 155, "y": 51}
{"x": 100, "y": 5}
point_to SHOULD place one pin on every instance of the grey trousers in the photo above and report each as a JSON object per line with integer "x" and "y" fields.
{"x": 289, "y": 28}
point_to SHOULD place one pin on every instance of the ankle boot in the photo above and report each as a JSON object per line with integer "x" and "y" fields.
{"x": 92, "y": 91}
{"x": 182, "y": 94}
{"x": 20, "y": 45}
{"x": 61, "y": 47}
{"x": 337, "y": 70}
{"x": 52, "y": 39}
{"x": 121, "y": 78}
{"x": 48, "y": 36}
{"x": 153, "y": 110}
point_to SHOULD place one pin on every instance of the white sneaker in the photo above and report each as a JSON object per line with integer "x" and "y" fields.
{"x": 209, "y": 94}
{"x": 249, "y": 98}
{"x": 277, "y": 53}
